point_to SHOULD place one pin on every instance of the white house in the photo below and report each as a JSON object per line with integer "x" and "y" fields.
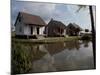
{"x": 29, "y": 25}
{"x": 84, "y": 32}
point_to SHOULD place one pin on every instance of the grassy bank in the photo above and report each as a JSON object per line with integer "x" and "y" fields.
{"x": 23, "y": 56}
{"x": 47, "y": 40}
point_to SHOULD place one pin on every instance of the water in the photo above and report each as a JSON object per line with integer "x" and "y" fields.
{"x": 66, "y": 56}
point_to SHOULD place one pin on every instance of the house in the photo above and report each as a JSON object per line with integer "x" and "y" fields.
{"x": 55, "y": 29}
{"x": 28, "y": 25}
{"x": 83, "y": 32}
{"x": 73, "y": 29}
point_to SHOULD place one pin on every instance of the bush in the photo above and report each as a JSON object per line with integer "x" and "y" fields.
{"x": 86, "y": 37}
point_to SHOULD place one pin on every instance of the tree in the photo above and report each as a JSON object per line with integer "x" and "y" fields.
{"x": 93, "y": 30}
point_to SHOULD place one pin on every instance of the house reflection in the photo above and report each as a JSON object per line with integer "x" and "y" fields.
{"x": 40, "y": 50}
{"x": 43, "y": 54}
{"x": 73, "y": 45}
{"x": 62, "y": 56}
{"x": 36, "y": 51}
{"x": 86, "y": 43}
{"x": 58, "y": 56}
{"x": 58, "y": 47}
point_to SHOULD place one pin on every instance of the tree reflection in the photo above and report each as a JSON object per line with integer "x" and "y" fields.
{"x": 58, "y": 47}
{"x": 86, "y": 43}
{"x": 73, "y": 45}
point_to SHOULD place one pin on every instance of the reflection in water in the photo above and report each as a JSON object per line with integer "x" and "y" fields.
{"x": 74, "y": 55}
{"x": 58, "y": 47}
{"x": 86, "y": 43}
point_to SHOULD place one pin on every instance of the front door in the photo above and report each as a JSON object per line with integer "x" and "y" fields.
{"x": 31, "y": 30}
{"x": 37, "y": 30}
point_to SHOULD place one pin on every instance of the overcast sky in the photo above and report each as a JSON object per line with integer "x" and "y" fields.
{"x": 62, "y": 12}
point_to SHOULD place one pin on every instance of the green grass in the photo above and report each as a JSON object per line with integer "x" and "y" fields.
{"x": 47, "y": 40}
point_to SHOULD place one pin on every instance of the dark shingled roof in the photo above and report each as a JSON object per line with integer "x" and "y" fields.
{"x": 74, "y": 25}
{"x": 55, "y": 23}
{"x": 31, "y": 19}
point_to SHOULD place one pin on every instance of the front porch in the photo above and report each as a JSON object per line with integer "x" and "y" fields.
{"x": 34, "y": 30}
{"x": 29, "y": 36}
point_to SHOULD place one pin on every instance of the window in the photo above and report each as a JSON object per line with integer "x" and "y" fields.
{"x": 31, "y": 30}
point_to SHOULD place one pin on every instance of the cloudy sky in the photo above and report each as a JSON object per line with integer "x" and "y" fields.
{"x": 62, "y": 12}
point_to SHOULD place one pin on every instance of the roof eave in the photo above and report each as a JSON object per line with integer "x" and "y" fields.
{"x": 34, "y": 24}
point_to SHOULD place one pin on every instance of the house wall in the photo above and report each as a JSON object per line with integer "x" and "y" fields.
{"x": 46, "y": 30}
{"x": 64, "y": 33}
{"x": 19, "y": 28}
{"x": 34, "y": 30}
{"x": 42, "y": 30}
{"x": 27, "y": 30}
{"x": 50, "y": 31}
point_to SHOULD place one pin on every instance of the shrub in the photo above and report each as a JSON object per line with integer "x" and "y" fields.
{"x": 86, "y": 37}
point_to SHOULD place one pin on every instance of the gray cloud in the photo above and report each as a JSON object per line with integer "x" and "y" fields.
{"x": 61, "y": 12}
{"x": 42, "y": 9}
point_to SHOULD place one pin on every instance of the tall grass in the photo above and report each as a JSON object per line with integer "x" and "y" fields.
{"x": 21, "y": 59}
{"x": 86, "y": 37}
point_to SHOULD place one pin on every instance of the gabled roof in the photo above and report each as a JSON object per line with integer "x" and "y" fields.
{"x": 31, "y": 19}
{"x": 55, "y": 23}
{"x": 74, "y": 25}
